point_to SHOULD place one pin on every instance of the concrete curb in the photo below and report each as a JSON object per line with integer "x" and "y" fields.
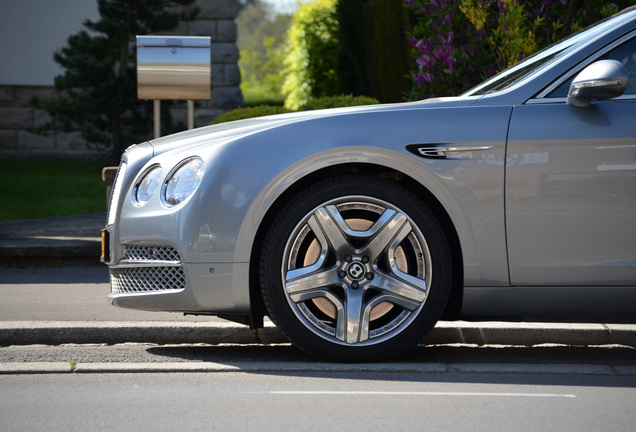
{"x": 216, "y": 333}
{"x": 297, "y": 367}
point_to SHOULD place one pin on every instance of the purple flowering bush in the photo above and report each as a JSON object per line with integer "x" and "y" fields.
{"x": 456, "y": 44}
{"x": 442, "y": 48}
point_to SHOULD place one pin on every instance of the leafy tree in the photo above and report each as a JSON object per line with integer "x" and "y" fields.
{"x": 242, "y": 4}
{"x": 262, "y": 77}
{"x": 353, "y": 48}
{"x": 310, "y": 61}
{"x": 99, "y": 85}
{"x": 262, "y": 44}
{"x": 372, "y": 56}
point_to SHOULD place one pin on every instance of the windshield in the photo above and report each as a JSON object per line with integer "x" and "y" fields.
{"x": 541, "y": 59}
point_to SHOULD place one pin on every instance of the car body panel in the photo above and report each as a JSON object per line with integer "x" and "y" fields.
{"x": 571, "y": 194}
{"x": 542, "y": 203}
{"x": 219, "y": 225}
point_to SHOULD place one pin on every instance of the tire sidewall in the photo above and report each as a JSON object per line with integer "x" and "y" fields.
{"x": 290, "y": 216}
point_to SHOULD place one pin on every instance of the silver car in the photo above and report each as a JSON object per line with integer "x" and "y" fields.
{"x": 355, "y": 230}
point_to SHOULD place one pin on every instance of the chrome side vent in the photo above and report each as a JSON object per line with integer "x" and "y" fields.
{"x": 440, "y": 151}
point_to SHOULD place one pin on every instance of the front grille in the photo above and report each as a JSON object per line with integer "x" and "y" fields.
{"x": 148, "y": 269}
{"x": 146, "y": 279}
{"x": 150, "y": 253}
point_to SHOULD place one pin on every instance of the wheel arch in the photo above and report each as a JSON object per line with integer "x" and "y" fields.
{"x": 454, "y": 304}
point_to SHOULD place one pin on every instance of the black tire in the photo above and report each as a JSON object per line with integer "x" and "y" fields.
{"x": 355, "y": 269}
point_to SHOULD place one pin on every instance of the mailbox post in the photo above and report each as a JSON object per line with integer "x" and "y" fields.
{"x": 173, "y": 68}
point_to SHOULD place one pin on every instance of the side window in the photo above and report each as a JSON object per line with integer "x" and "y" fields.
{"x": 625, "y": 53}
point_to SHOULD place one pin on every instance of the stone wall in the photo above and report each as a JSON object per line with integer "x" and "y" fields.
{"x": 19, "y": 116}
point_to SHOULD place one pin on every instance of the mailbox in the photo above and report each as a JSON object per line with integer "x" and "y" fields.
{"x": 173, "y": 67}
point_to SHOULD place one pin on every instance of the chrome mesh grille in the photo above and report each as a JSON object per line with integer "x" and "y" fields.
{"x": 148, "y": 269}
{"x": 146, "y": 279}
{"x": 150, "y": 253}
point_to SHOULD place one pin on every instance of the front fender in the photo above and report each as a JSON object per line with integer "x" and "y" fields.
{"x": 473, "y": 217}
{"x": 247, "y": 176}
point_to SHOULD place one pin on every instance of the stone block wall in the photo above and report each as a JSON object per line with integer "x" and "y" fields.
{"x": 19, "y": 116}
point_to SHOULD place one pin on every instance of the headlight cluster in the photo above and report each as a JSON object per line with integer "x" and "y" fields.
{"x": 180, "y": 183}
{"x": 146, "y": 188}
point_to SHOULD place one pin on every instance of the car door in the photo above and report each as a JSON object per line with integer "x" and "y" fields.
{"x": 571, "y": 188}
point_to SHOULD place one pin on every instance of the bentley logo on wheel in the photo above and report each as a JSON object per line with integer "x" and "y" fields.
{"x": 355, "y": 270}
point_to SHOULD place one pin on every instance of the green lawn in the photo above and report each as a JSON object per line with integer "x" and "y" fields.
{"x": 35, "y": 188}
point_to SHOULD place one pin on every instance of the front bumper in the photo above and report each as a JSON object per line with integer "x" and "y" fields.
{"x": 160, "y": 285}
{"x": 153, "y": 277}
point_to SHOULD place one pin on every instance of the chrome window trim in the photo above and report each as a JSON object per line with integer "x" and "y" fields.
{"x": 562, "y": 100}
{"x": 578, "y": 68}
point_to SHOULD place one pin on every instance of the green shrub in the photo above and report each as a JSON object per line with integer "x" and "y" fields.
{"x": 314, "y": 104}
{"x": 250, "y": 112}
{"x": 338, "y": 101}
{"x": 262, "y": 75}
{"x": 311, "y": 58}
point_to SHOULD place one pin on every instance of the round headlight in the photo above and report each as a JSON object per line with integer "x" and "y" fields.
{"x": 147, "y": 186}
{"x": 183, "y": 181}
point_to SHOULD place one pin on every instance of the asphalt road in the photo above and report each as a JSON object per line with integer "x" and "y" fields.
{"x": 68, "y": 294}
{"x": 352, "y": 401}
{"x": 39, "y": 301}
{"x": 144, "y": 386}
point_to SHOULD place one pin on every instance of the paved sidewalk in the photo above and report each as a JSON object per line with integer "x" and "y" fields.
{"x": 75, "y": 240}
{"x": 69, "y": 240}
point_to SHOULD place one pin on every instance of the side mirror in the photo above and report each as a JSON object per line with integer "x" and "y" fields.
{"x": 604, "y": 79}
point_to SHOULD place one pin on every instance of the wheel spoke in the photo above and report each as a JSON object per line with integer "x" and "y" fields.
{"x": 355, "y": 269}
{"x": 365, "y": 332}
{"x": 386, "y": 234}
{"x": 405, "y": 287}
{"x": 354, "y": 316}
{"x": 305, "y": 279}
{"x": 329, "y": 228}
{"x": 387, "y": 214}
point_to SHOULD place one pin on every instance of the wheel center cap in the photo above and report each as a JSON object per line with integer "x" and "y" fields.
{"x": 356, "y": 270}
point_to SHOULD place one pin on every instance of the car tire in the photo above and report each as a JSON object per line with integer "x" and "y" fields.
{"x": 355, "y": 269}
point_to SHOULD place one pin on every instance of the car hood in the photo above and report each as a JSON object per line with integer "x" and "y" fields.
{"x": 232, "y": 130}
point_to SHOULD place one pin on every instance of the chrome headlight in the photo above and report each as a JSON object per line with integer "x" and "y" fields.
{"x": 183, "y": 181}
{"x": 147, "y": 185}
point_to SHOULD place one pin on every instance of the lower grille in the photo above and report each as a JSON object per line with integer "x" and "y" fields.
{"x": 146, "y": 279}
{"x": 148, "y": 269}
{"x": 150, "y": 253}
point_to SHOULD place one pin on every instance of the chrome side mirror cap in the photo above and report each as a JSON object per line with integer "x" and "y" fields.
{"x": 603, "y": 79}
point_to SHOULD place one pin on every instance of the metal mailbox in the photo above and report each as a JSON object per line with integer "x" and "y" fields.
{"x": 173, "y": 67}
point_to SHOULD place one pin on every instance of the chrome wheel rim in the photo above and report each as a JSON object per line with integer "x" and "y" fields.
{"x": 356, "y": 270}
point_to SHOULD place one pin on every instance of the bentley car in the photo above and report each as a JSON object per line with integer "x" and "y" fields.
{"x": 356, "y": 229}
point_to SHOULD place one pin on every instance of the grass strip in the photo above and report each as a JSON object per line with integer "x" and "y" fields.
{"x": 36, "y": 188}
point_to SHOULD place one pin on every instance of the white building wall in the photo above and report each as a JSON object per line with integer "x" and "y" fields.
{"x": 31, "y": 31}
